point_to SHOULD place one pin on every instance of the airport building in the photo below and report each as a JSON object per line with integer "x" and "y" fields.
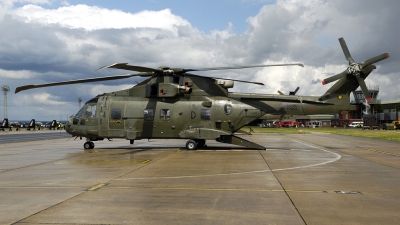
{"x": 380, "y": 111}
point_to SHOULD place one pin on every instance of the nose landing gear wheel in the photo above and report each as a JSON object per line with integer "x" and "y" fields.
{"x": 88, "y": 145}
{"x": 191, "y": 145}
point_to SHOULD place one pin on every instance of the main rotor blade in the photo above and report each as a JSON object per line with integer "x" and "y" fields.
{"x": 334, "y": 77}
{"x": 125, "y": 66}
{"x": 375, "y": 59}
{"x": 346, "y": 51}
{"x": 241, "y": 67}
{"x": 218, "y": 78}
{"x": 243, "y": 81}
{"x": 364, "y": 88}
{"x": 31, "y": 86}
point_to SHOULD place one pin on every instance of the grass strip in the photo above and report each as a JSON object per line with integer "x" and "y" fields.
{"x": 391, "y": 135}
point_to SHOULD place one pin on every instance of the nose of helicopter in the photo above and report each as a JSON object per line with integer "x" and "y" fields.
{"x": 68, "y": 127}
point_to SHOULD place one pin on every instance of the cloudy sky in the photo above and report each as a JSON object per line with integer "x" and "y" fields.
{"x": 45, "y": 41}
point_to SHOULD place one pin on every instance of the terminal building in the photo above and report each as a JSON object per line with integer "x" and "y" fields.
{"x": 381, "y": 111}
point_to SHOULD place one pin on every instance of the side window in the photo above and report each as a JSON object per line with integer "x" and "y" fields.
{"x": 228, "y": 109}
{"x": 148, "y": 114}
{"x": 165, "y": 114}
{"x": 206, "y": 114}
{"x": 116, "y": 114}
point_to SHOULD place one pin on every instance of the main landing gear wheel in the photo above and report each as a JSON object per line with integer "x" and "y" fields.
{"x": 88, "y": 145}
{"x": 191, "y": 145}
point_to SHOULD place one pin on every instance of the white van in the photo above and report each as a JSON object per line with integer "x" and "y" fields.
{"x": 356, "y": 124}
{"x": 314, "y": 123}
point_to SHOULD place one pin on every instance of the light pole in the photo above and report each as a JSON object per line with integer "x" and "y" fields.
{"x": 5, "y": 89}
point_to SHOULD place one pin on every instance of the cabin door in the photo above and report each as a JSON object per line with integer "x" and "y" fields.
{"x": 115, "y": 121}
{"x": 133, "y": 120}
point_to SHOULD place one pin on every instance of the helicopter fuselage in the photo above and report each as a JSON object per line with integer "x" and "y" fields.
{"x": 135, "y": 118}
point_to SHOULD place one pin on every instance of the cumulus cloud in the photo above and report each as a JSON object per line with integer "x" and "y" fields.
{"x": 17, "y": 74}
{"x": 72, "y": 41}
{"x": 96, "y": 18}
{"x": 43, "y": 99}
{"x": 10, "y": 3}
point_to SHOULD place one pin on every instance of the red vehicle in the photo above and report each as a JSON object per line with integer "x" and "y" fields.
{"x": 289, "y": 123}
{"x": 286, "y": 123}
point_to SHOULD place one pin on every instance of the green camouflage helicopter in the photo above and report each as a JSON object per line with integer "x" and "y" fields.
{"x": 175, "y": 104}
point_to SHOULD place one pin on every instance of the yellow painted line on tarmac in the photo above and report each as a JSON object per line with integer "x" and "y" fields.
{"x": 379, "y": 151}
{"x": 216, "y": 189}
{"x": 103, "y": 161}
{"x": 39, "y": 187}
{"x": 96, "y": 187}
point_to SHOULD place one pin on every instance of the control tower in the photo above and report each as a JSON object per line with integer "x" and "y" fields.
{"x": 373, "y": 93}
{"x": 359, "y": 100}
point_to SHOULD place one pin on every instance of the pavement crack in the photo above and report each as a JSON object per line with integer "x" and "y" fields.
{"x": 52, "y": 206}
{"x": 283, "y": 188}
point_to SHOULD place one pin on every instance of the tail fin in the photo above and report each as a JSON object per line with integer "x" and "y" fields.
{"x": 32, "y": 123}
{"x": 4, "y": 124}
{"x": 53, "y": 125}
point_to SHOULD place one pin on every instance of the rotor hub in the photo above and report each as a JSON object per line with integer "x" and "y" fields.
{"x": 354, "y": 69}
{"x": 168, "y": 72}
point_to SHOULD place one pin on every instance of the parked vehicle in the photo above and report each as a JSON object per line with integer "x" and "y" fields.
{"x": 314, "y": 124}
{"x": 356, "y": 124}
{"x": 289, "y": 123}
{"x": 394, "y": 125}
{"x": 370, "y": 122}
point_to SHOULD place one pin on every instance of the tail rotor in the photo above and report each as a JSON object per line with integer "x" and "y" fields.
{"x": 356, "y": 69}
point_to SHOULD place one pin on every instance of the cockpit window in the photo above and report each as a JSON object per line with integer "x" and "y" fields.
{"x": 88, "y": 110}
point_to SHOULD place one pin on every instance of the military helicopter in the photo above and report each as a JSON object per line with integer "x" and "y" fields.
{"x": 175, "y": 104}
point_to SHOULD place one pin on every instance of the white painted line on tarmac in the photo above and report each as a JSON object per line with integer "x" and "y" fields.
{"x": 313, "y": 165}
{"x": 337, "y": 157}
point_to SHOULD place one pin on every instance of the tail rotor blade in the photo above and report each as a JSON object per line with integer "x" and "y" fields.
{"x": 375, "y": 59}
{"x": 334, "y": 77}
{"x": 346, "y": 51}
{"x": 364, "y": 89}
